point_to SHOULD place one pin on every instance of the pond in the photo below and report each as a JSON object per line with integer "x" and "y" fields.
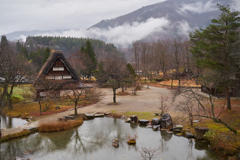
{"x": 8, "y": 122}
{"x": 93, "y": 141}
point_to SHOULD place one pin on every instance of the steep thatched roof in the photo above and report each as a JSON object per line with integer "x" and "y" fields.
{"x": 50, "y": 61}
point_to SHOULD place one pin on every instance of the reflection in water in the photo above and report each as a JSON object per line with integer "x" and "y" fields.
{"x": 93, "y": 140}
{"x": 8, "y": 122}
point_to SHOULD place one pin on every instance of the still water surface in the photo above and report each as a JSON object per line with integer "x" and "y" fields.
{"x": 8, "y": 122}
{"x": 93, "y": 141}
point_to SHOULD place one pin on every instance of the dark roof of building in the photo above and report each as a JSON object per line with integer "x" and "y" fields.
{"x": 50, "y": 61}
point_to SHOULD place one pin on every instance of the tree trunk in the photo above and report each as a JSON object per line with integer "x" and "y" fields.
{"x": 114, "y": 95}
{"x": 40, "y": 106}
{"x": 228, "y": 100}
{"x": 179, "y": 83}
{"x": 148, "y": 84}
{"x": 76, "y": 108}
{"x": 122, "y": 87}
{"x": 9, "y": 101}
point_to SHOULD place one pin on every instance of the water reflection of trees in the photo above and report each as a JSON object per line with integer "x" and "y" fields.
{"x": 9, "y": 122}
{"x": 6, "y": 121}
{"x": 89, "y": 142}
{"x": 164, "y": 140}
{"x": 79, "y": 142}
{"x": 16, "y": 147}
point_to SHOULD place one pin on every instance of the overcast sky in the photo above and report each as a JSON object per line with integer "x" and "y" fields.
{"x": 25, "y": 15}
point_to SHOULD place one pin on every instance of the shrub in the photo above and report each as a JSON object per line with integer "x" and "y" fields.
{"x": 16, "y": 98}
{"x": 158, "y": 79}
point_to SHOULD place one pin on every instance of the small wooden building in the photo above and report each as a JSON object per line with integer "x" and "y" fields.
{"x": 54, "y": 75}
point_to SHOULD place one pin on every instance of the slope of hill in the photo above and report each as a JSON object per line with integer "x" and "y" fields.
{"x": 69, "y": 45}
{"x": 183, "y": 16}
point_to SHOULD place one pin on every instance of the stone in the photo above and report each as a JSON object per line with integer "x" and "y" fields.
{"x": 166, "y": 121}
{"x": 18, "y": 158}
{"x": 106, "y": 114}
{"x": 169, "y": 132}
{"x": 143, "y": 122}
{"x": 179, "y": 126}
{"x": 199, "y": 132}
{"x": 27, "y": 152}
{"x": 149, "y": 126}
{"x": 131, "y": 142}
{"x": 195, "y": 121}
{"x": 189, "y": 135}
{"x": 127, "y": 120}
{"x": 155, "y": 121}
{"x": 32, "y": 129}
{"x": 115, "y": 143}
{"x": 156, "y": 127}
{"x": 177, "y": 129}
{"x": 179, "y": 134}
{"x": 134, "y": 119}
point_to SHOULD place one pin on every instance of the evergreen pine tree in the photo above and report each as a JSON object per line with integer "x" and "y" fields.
{"x": 214, "y": 48}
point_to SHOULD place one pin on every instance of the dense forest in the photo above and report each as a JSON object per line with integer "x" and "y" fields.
{"x": 37, "y": 48}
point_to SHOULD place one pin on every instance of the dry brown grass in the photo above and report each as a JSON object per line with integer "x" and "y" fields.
{"x": 123, "y": 93}
{"x": 185, "y": 83}
{"x": 60, "y": 126}
{"x": 15, "y": 135}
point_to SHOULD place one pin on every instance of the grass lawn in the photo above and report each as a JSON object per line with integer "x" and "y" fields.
{"x": 23, "y": 109}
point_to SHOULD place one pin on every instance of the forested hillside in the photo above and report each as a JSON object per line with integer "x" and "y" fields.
{"x": 69, "y": 45}
{"x": 36, "y": 49}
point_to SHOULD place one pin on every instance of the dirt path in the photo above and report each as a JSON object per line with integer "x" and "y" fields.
{"x": 146, "y": 100}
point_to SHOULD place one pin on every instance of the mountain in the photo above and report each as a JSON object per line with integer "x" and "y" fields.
{"x": 181, "y": 17}
{"x": 167, "y": 19}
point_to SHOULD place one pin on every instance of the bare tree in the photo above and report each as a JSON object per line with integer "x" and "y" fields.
{"x": 112, "y": 72}
{"x": 14, "y": 70}
{"x": 161, "y": 51}
{"x": 149, "y": 153}
{"x": 81, "y": 63}
{"x": 177, "y": 55}
{"x": 46, "y": 92}
{"x": 163, "y": 106}
{"x": 136, "y": 50}
{"x": 202, "y": 106}
{"x": 187, "y": 107}
{"x": 74, "y": 92}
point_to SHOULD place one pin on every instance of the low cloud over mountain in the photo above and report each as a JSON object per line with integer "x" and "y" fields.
{"x": 165, "y": 19}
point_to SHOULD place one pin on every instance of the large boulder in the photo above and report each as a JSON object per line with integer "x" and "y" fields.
{"x": 189, "y": 135}
{"x": 166, "y": 121}
{"x": 177, "y": 128}
{"x": 155, "y": 121}
{"x": 199, "y": 132}
{"x": 134, "y": 119}
{"x": 143, "y": 122}
{"x": 156, "y": 127}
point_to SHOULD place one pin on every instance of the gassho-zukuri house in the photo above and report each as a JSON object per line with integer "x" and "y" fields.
{"x": 54, "y": 75}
